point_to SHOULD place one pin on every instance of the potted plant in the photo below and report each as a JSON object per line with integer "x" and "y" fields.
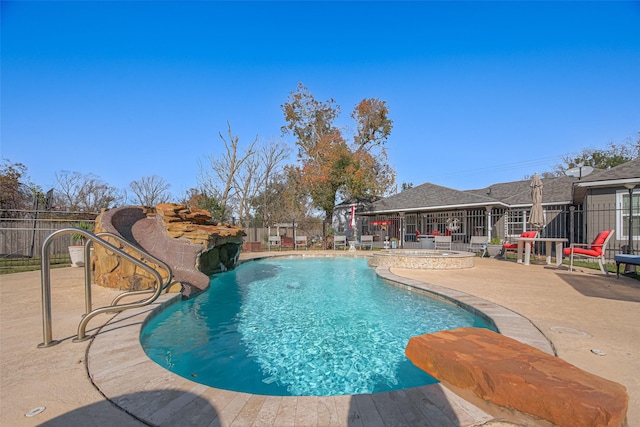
{"x": 76, "y": 250}
{"x": 394, "y": 243}
{"x": 494, "y": 247}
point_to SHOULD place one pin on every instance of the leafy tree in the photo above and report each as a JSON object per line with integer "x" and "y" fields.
{"x": 150, "y": 190}
{"x": 16, "y": 191}
{"x": 612, "y": 155}
{"x": 308, "y": 119}
{"x": 329, "y": 166}
{"x": 406, "y": 186}
{"x": 325, "y": 172}
{"x": 373, "y": 124}
{"x": 369, "y": 173}
{"x": 199, "y": 199}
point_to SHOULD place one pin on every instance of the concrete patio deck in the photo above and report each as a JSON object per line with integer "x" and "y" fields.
{"x": 578, "y": 312}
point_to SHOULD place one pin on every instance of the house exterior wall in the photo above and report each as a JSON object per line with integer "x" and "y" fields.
{"x": 599, "y": 196}
{"x": 604, "y": 210}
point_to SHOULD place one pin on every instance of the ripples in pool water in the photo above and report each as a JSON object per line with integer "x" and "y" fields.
{"x": 302, "y": 327}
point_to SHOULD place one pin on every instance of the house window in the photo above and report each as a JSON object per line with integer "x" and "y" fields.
{"x": 622, "y": 217}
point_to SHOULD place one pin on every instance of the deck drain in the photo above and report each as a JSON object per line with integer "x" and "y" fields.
{"x": 35, "y": 411}
{"x": 570, "y": 331}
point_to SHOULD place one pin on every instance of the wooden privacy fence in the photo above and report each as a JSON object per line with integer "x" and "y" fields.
{"x": 23, "y": 232}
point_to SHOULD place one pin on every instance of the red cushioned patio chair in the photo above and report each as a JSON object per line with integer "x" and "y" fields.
{"x": 514, "y": 246}
{"x": 595, "y": 249}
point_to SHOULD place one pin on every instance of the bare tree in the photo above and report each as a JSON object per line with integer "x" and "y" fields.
{"x": 270, "y": 204}
{"x": 150, "y": 190}
{"x": 217, "y": 180}
{"x": 256, "y": 174}
{"x": 68, "y": 185}
{"x": 85, "y": 192}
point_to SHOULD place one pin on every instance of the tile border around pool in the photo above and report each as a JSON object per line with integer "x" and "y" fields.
{"x": 119, "y": 368}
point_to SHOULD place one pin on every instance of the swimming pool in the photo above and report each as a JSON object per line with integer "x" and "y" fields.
{"x": 299, "y": 326}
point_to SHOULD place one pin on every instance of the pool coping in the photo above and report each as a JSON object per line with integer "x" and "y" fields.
{"x": 507, "y": 322}
{"x": 120, "y": 369}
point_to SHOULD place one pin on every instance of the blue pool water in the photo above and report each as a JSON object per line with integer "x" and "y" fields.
{"x": 302, "y": 327}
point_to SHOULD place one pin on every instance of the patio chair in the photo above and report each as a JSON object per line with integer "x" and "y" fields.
{"x": 478, "y": 244}
{"x": 301, "y": 241}
{"x": 366, "y": 241}
{"x": 508, "y": 246}
{"x": 339, "y": 241}
{"x": 593, "y": 250}
{"x": 442, "y": 242}
{"x": 274, "y": 241}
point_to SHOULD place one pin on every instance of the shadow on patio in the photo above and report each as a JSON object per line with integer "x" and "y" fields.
{"x": 102, "y": 413}
{"x": 608, "y": 287}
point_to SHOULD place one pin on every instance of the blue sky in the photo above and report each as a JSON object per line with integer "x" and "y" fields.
{"x": 479, "y": 92}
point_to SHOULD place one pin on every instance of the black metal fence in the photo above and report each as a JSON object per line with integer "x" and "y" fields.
{"x": 23, "y": 232}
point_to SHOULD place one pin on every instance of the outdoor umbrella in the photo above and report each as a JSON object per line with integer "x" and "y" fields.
{"x": 536, "y": 218}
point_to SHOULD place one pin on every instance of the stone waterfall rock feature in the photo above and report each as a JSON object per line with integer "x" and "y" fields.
{"x": 186, "y": 239}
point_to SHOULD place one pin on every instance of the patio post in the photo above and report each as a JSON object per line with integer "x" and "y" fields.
{"x": 489, "y": 227}
{"x": 505, "y": 227}
{"x": 572, "y": 211}
{"x": 630, "y": 187}
{"x": 401, "y": 214}
{"x": 630, "y": 268}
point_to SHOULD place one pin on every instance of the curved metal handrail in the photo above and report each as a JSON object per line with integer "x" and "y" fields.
{"x": 145, "y": 254}
{"x": 46, "y": 284}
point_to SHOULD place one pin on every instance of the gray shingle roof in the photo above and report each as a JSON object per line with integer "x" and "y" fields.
{"x": 430, "y": 197}
{"x": 557, "y": 190}
{"x": 626, "y": 173}
{"x": 628, "y": 170}
{"x": 554, "y": 191}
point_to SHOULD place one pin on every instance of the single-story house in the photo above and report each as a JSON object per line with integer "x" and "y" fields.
{"x": 502, "y": 210}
